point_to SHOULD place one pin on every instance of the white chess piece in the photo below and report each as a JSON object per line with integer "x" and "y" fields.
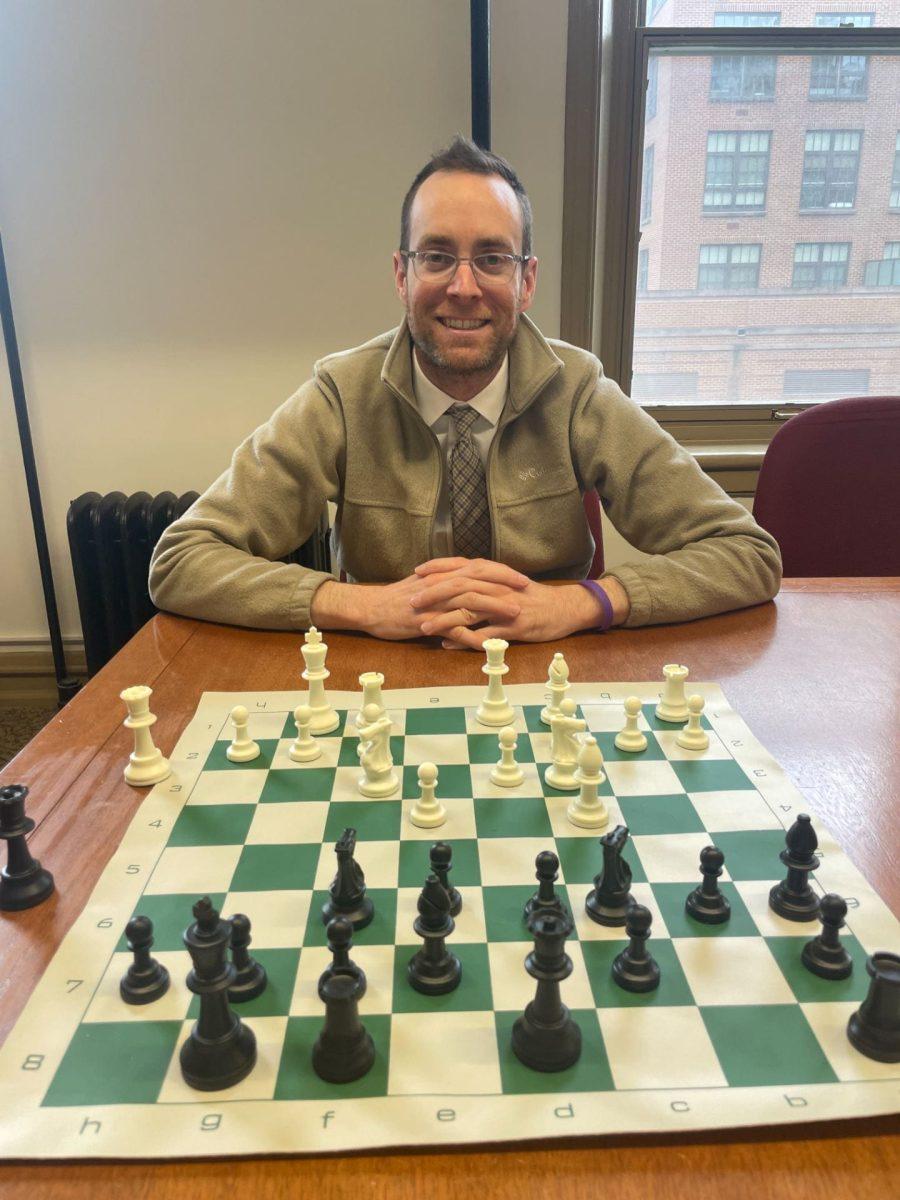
{"x": 304, "y": 747}
{"x": 557, "y": 684}
{"x": 587, "y": 809}
{"x": 324, "y": 718}
{"x": 242, "y": 748}
{"x": 631, "y": 738}
{"x": 494, "y": 708}
{"x": 371, "y": 683}
{"x": 694, "y": 736}
{"x": 507, "y": 772}
{"x": 374, "y": 750}
{"x": 427, "y": 812}
{"x": 564, "y": 730}
{"x": 672, "y": 706}
{"x": 146, "y": 764}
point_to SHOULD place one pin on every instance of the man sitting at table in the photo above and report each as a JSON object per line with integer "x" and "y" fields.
{"x": 456, "y": 450}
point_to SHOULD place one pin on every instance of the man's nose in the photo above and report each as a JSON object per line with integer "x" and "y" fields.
{"x": 464, "y": 282}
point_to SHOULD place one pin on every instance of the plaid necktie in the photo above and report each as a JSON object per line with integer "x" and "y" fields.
{"x": 468, "y": 489}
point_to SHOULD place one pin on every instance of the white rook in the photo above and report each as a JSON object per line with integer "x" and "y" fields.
{"x": 673, "y": 704}
{"x": 495, "y": 708}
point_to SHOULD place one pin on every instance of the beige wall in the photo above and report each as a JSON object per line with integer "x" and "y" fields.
{"x": 199, "y": 197}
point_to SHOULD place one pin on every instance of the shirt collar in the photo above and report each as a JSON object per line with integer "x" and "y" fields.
{"x": 432, "y": 403}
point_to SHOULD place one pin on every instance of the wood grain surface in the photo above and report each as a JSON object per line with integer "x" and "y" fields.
{"x": 813, "y": 675}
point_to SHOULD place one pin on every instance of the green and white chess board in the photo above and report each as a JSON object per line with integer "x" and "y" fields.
{"x": 738, "y": 1033}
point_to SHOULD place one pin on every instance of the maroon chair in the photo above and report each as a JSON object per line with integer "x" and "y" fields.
{"x": 592, "y": 512}
{"x": 829, "y": 489}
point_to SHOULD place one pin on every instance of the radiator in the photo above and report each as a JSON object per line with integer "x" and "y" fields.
{"x": 111, "y": 539}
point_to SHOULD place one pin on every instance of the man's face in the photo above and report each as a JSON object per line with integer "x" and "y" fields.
{"x": 465, "y": 215}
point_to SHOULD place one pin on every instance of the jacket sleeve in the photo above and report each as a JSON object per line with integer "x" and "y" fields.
{"x": 216, "y": 562}
{"x": 709, "y": 555}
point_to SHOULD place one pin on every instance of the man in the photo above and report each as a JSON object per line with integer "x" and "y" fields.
{"x": 456, "y": 450}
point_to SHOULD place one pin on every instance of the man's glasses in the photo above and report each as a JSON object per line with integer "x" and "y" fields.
{"x": 437, "y": 266}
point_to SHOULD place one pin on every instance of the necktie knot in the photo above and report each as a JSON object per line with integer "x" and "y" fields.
{"x": 463, "y": 417}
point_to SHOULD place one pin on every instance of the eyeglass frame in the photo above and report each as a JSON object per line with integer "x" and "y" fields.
{"x": 515, "y": 259}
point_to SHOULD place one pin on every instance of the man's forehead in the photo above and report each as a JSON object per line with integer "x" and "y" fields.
{"x": 454, "y": 204}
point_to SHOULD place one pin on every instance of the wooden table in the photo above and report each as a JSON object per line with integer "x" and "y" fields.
{"x": 813, "y": 675}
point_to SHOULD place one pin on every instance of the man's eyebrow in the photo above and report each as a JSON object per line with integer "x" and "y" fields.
{"x": 498, "y": 243}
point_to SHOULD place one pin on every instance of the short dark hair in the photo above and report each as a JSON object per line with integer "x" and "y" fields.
{"x": 463, "y": 155}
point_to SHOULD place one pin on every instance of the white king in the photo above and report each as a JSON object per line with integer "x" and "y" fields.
{"x": 324, "y": 718}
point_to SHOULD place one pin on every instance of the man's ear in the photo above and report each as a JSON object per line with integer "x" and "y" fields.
{"x": 400, "y": 275}
{"x": 529, "y": 283}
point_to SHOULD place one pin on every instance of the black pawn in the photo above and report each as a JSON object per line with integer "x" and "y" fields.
{"x": 609, "y": 900}
{"x": 634, "y": 969}
{"x": 793, "y": 898}
{"x": 23, "y": 881}
{"x": 545, "y": 898}
{"x": 545, "y": 1037}
{"x": 825, "y": 955}
{"x": 434, "y": 970}
{"x": 348, "y": 891}
{"x": 221, "y": 1049}
{"x": 874, "y": 1029}
{"x": 250, "y": 976}
{"x": 706, "y": 903}
{"x": 146, "y": 979}
{"x": 340, "y": 938}
{"x": 441, "y": 857}
{"x": 344, "y": 1050}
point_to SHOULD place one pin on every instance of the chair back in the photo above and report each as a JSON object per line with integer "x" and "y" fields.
{"x": 592, "y": 511}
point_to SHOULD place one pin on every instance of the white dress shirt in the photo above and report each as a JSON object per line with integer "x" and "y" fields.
{"x": 434, "y": 406}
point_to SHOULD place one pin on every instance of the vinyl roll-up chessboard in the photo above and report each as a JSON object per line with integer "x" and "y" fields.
{"x": 738, "y": 1033}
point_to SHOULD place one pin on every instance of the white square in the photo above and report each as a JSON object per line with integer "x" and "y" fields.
{"x": 107, "y": 1004}
{"x": 228, "y": 787}
{"x": 590, "y": 931}
{"x": 609, "y": 718}
{"x": 436, "y": 748}
{"x": 330, "y": 747}
{"x": 482, "y": 785}
{"x": 444, "y": 1052}
{"x": 460, "y": 822}
{"x": 732, "y": 971}
{"x": 541, "y": 747}
{"x": 380, "y": 862}
{"x": 287, "y": 824}
{"x": 259, "y": 1084}
{"x": 510, "y": 860}
{"x": 755, "y": 894}
{"x": 376, "y": 961}
{"x": 346, "y": 784}
{"x": 829, "y": 1024}
{"x": 278, "y": 918}
{"x": 200, "y": 869}
{"x": 721, "y": 811}
{"x": 473, "y": 725}
{"x": 469, "y": 924}
{"x": 262, "y": 726}
{"x": 512, "y": 987}
{"x": 672, "y": 857}
{"x": 715, "y": 751}
{"x": 643, "y": 778}
{"x": 665, "y": 1047}
{"x": 397, "y": 715}
{"x": 562, "y": 827}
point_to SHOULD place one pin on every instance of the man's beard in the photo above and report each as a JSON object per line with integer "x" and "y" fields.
{"x": 492, "y": 356}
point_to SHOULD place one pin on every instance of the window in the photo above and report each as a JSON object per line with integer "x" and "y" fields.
{"x": 820, "y": 264}
{"x": 652, "y": 86}
{"x": 650, "y": 387}
{"x": 647, "y": 186}
{"x": 745, "y": 20}
{"x": 742, "y": 77}
{"x": 895, "y": 176}
{"x": 737, "y": 170}
{"x": 830, "y": 166}
{"x": 825, "y": 385}
{"x": 643, "y": 269}
{"x": 832, "y": 20}
{"x": 840, "y": 76}
{"x": 653, "y": 7}
{"x": 728, "y": 268}
{"x": 884, "y": 272}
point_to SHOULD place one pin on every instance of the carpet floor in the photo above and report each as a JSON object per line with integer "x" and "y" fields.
{"x": 19, "y": 724}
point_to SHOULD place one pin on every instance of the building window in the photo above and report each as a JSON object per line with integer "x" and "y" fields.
{"x": 884, "y": 272}
{"x": 643, "y": 269}
{"x": 834, "y": 20}
{"x": 647, "y": 186}
{"x": 728, "y": 268}
{"x": 830, "y": 168}
{"x": 824, "y": 385}
{"x": 737, "y": 171}
{"x": 653, "y": 7}
{"x": 745, "y": 20}
{"x": 895, "y": 176}
{"x": 652, "y": 85}
{"x": 742, "y": 77}
{"x": 820, "y": 264}
{"x": 840, "y": 76}
{"x": 649, "y": 387}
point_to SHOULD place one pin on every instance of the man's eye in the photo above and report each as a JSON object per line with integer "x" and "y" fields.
{"x": 434, "y": 260}
{"x": 491, "y": 262}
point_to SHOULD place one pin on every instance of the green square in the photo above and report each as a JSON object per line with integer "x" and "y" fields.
{"x": 590, "y": 1073}
{"x": 673, "y": 986}
{"x": 349, "y": 745}
{"x": 454, "y": 780}
{"x": 605, "y": 788}
{"x": 219, "y": 761}
{"x": 435, "y": 720}
{"x": 809, "y": 988}
{"x": 171, "y": 914}
{"x": 712, "y": 775}
{"x": 582, "y": 859}
{"x": 281, "y": 971}
{"x": 212, "y": 825}
{"x": 485, "y": 748}
{"x": 533, "y": 722}
{"x": 293, "y": 785}
{"x": 114, "y": 1063}
{"x": 473, "y": 993}
{"x": 512, "y": 817}
{"x": 276, "y": 868}
{"x": 612, "y": 753}
{"x": 373, "y": 820}
{"x": 380, "y": 931}
{"x": 298, "y": 1081}
{"x": 660, "y": 814}
{"x": 503, "y": 911}
{"x": 763, "y": 1045}
{"x": 415, "y": 864}
{"x": 290, "y": 729}
{"x": 671, "y": 897}
{"x": 753, "y": 853}
{"x": 649, "y": 711}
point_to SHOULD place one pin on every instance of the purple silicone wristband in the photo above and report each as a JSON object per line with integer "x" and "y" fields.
{"x": 605, "y": 603}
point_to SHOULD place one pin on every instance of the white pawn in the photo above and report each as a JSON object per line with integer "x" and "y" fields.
{"x": 557, "y": 685}
{"x": 672, "y": 706}
{"x": 427, "y": 812}
{"x": 304, "y": 747}
{"x": 564, "y": 730}
{"x": 587, "y": 809}
{"x": 631, "y": 738}
{"x": 694, "y": 736}
{"x": 494, "y": 708}
{"x": 242, "y": 748}
{"x": 146, "y": 764}
{"x": 507, "y": 772}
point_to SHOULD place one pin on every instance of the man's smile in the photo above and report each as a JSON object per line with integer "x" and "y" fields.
{"x": 459, "y": 323}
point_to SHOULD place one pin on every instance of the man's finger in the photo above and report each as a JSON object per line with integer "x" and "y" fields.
{"x": 462, "y": 638}
{"x": 442, "y": 624}
{"x": 477, "y": 568}
{"x": 467, "y": 593}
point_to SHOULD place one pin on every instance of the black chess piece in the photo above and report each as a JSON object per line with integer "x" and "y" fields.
{"x": 545, "y": 1037}
{"x": 874, "y": 1029}
{"x": 348, "y": 897}
{"x": 793, "y": 898}
{"x": 610, "y": 898}
{"x": 434, "y": 970}
{"x": 344, "y": 1050}
{"x": 825, "y": 954}
{"x": 545, "y": 898}
{"x": 220, "y": 1050}
{"x": 634, "y": 969}
{"x": 250, "y": 976}
{"x": 23, "y": 881}
{"x": 441, "y": 857}
{"x": 340, "y": 938}
{"x": 146, "y": 979}
{"x": 706, "y": 903}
